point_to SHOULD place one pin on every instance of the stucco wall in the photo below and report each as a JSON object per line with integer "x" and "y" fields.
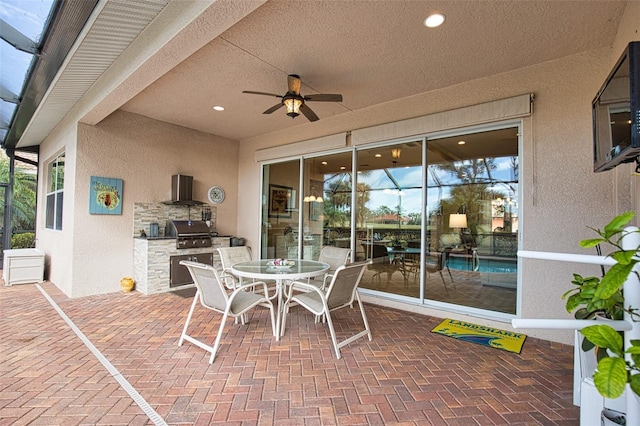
{"x": 561, "y": 195}
{"x": 57, "y": 245}
{"x": 144, "y": 153}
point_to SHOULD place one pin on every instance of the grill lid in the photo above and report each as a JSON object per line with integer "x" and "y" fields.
{"x": 187, "y": 228}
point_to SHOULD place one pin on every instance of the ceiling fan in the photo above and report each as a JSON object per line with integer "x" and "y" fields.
{"x": 294, "y": 102}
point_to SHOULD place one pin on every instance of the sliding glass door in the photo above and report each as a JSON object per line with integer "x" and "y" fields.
{"x": 389, "y": 216}
{"x": 437, "y": 217}
{"x": 280, "y": 212}
{"x": 326, "y": 203}
{"x": 473, "y": 219}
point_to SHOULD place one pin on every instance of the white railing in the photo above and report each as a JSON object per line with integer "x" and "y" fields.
{"x": 631, "y": 291}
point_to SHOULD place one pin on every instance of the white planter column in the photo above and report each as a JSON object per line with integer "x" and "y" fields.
{"x": 631, "y": 291}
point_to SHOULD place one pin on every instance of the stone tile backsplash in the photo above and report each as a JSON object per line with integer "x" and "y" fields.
{"x": 146, "y": 213}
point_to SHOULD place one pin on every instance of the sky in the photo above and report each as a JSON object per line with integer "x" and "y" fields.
{"x": 28, "y": 17}
{"x": 412, "y": 176}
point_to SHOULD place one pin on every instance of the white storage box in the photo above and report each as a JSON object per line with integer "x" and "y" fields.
{"x": 23, "y": 266}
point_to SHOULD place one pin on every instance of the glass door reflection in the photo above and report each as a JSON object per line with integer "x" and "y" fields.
{"x": 326, "y": 203}
{"x": 389, "y": 216}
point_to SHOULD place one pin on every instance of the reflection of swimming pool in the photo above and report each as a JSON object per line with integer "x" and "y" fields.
{"x": 486, "y": 264}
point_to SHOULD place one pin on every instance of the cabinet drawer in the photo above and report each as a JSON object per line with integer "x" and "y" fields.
{"x": 23, "y": 266}
{"x": 25, "y": 275}
{"x": 25, "y": 262}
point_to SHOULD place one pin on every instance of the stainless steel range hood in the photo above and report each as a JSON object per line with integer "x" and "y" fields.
{"x": 182, "y": 191}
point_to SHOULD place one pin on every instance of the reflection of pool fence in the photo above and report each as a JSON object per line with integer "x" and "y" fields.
{"x": 497, "y": 244}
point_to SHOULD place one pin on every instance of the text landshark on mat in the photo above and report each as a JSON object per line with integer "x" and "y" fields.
{"x": 482, "y": 335}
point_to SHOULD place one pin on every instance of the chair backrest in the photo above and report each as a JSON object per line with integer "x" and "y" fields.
{"x": 413, "y": 244}
{"x": 380, "y": 254}
{"x": 212, "y": 293}
{"x": 435, "y": 261}
{"x": 467, "y": 240}
{"x": 344, "y": 284}
{"x": 229, "y": 256}
{"x": 378, "y": 250}
{"x": 335, "y": 257}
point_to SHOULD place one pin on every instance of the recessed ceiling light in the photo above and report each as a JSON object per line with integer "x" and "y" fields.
{"x": 342, "y": 167}
{"x": 461, "y": 142}
{"x": 378, "y": 155}
{"x": 218, "y": 108}
{"x": 324, "y": 163}
{"x": 434, "y": 20}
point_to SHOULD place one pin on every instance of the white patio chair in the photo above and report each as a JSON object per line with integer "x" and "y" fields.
{"x": 229, "y": 256}
{"x": 341, "y": 293}
{"x": 335, "y": 257}
{"x": 211, "y": 294}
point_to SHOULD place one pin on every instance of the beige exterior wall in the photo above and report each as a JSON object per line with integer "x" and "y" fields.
{"x": 144, "y": 153}
{"x": 561, "y": 195}
{"x": 57, "y": 245}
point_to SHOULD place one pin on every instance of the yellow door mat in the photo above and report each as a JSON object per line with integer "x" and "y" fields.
{"x": 482, "y": 335}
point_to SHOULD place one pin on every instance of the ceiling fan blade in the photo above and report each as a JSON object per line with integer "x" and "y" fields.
{"x": 273, "y": 108}
{"x": 311, "y": 116}
{"x": 324, "y": 97}
{"x": 251, "y": 92}
{"x": 293, "y": 81}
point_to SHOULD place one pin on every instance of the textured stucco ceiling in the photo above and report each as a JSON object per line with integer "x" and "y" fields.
{"x": 371, "y": 52}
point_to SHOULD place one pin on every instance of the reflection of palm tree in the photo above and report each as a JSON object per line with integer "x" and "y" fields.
{"x": 362, "y": 199}
{"x": 334, "y": 216}
{"x": 414, "y": 218}
{"x": 338, "y": 194}
{"x": 474, "y": 177}
{"x": 338, "y": 201}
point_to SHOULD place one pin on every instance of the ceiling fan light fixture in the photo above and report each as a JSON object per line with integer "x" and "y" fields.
{"x": 395, "y": 152}
{"x": 296, "y": 103}
{"x": 293, "y": 104}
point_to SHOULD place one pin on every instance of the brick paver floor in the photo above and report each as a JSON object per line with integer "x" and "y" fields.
{"x": 405, "y": 376}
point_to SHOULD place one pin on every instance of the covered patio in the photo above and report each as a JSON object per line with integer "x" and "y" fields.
{"x": 406, "y": 375}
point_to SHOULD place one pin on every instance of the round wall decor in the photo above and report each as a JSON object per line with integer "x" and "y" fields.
{"x": 215, "y": 194}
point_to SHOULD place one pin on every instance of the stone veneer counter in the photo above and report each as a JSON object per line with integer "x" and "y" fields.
{"x": 151, "y": 261}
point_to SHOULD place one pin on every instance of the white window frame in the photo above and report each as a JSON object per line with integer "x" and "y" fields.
{"x": 54, "y": 194}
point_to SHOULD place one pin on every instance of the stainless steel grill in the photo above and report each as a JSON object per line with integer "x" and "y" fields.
{"x": 189, "y": 233}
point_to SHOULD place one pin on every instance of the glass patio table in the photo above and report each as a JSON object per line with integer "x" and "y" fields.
{"x": 261, "y": 270}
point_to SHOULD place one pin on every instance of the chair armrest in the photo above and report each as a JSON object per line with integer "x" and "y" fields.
{"x": 324, "y": 281}
{"x": 251, "y": 285}
{"x": 224, "y": 276}
{"x": 306, "y": 286}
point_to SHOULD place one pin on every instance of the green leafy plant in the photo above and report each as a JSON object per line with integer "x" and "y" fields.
{"x": 605, "y": 295}
{"x": 593, "y": 295}
{"x": 587, "y": 305}
{"x": 614, "y": 372}
{"x": 24, "y": 240}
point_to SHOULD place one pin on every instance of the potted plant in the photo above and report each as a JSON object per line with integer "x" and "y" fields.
{"x": 588, "y": 303}
{"x": 594, "y": 295}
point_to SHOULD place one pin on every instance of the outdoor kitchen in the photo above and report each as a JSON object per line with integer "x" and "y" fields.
{"x": 170, "y": 231}
{"x": 180, "y": 236}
